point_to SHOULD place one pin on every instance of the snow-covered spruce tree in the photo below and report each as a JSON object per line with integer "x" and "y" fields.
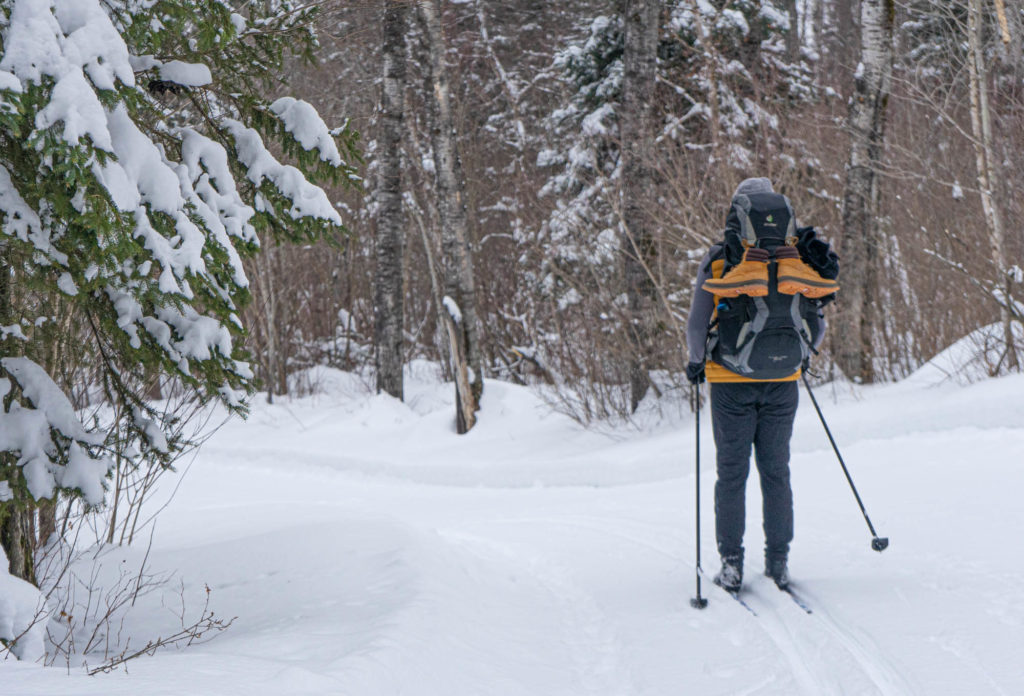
{"x": 135, "y": 175}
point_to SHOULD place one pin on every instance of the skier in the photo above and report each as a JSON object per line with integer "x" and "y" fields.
{"x": 755, "y": 319}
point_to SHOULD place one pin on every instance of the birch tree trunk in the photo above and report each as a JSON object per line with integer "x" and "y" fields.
{"x": 458, "y": 280}
{"x": 981, "y": 128}
{"x": 712, "y": 64}
{"x": 859, "y": 247}
{"x": 388, "y": 306}
{"x": 636, "y": 123}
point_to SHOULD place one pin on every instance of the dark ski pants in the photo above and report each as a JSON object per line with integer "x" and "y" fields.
{"x": 758, "y": 414}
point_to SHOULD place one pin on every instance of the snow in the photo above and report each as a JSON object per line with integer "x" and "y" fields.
{"x": 68, "y": 40}
{"x": 10, "y": 81}
{"x": 301, "y": 119}
{"x": 239, "y": 22}
{"x": 74, "y": 104}
{"x": 452, "y": 307}
{"x": 19, "y": 602}
{"x": 367, "y": 549}
{"x": 307, "y": 200}
{"x": 187, "y": 74}
{"x": 736, "y": 19}
{"x": 774, "y": 16}
{"x": 28, "y": 432}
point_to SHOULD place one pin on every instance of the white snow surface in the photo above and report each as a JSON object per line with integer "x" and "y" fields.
{"x": 367, "y": 549}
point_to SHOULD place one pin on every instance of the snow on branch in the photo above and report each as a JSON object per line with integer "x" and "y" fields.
{"x": 27, "y": 431}
{"x": 452, "y": 307}
{"x": 307, "y": 200}
{"x": 301, "y": 119}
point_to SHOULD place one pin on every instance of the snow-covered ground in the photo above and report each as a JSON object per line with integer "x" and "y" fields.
{"x": 368, "y": 550}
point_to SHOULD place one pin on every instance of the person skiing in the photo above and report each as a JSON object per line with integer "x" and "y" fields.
{"x": 755, "y": 319}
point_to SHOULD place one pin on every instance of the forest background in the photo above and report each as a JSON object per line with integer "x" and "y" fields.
{"x": 532, "y": 192}
{"x": 580, "y": 164}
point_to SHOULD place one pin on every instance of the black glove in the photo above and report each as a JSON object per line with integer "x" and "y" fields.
{"x": 695, "y": 372}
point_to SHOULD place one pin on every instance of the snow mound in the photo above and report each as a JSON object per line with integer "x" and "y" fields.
{"x": 974, "y": 357}
{"x": 19, "y": 610}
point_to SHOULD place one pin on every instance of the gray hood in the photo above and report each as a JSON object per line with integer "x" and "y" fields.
{"x": 755, "y": 185}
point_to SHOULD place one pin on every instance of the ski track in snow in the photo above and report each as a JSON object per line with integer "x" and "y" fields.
{"x": 808, "y": 638}
{"x": 788, "y": 626}
{"x": 593, "y": 644}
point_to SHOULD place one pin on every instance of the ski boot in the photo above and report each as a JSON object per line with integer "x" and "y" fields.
{"x": 730, "y": 577}
{"x": 776, "y": 569}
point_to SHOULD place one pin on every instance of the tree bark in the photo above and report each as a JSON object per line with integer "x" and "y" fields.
{"x": 271, "y": 364}
{"x": 458, "y": 265}
{"x": 636, "y": 124}
{"x": 793, "y": 35}
{"x": 16, "y": 538}
{"x": 845, "y": 37}
{"x": 15, "y": 514}
{"x": 981, "y": 128}
{"x": 866, "y": 125}
{"x": 389, "y": 310}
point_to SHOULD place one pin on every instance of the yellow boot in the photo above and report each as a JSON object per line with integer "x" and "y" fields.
{"x": 750, "y": 277}
{"x": 795, "y": 276}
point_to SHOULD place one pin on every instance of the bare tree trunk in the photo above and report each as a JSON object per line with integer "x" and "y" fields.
{"x": 458, "y": 266}
{"x": 636, "y": 123}
{"x": 15, "y": 513}
{"x": 793, "y": 35}
{"x": 1004, "y": 24}
{"x": 1014, "y": 51}
{"x": 841, "y": 30}
{"x": 16, "y": 539}
{"x": 388, "y": 287}
{"x": 270, "y": 321}
{"x": 866, "y": 124}
{"x": 711, "y": 70}
{"x": 47, "y": 511}
{"x": 465, "y": 418}
{"x": 981, "y": 127}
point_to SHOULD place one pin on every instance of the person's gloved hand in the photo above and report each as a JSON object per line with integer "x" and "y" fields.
{"x": 695, "y": 372}
{"x": 806, "y": 364}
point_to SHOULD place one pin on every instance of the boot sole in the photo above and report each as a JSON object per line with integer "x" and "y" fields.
{"x": 754, "y": 288}
{"x": 808, "y": 288}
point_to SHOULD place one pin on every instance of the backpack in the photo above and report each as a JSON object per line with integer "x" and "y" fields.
{"x": 767, "y": 337}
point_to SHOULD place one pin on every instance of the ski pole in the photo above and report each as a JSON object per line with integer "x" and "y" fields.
{"x": 877, "y": 543}
{"x": 697, "y": 602}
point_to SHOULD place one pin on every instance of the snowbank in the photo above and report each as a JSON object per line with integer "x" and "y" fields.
{"x": 20, "y": 605}
{"x": 970, "y": 359}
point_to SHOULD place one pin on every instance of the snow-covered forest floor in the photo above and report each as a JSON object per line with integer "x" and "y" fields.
{"x": 368, "y": 550}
